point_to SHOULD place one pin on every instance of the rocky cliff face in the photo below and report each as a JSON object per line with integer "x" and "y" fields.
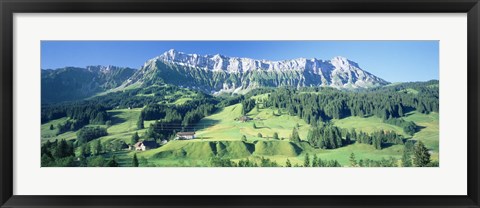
{"x": 218, "y": 73}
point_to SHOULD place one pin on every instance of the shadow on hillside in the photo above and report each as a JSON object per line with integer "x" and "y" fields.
{"x": 298, "y": 150}
{"x": 419, "y": 128}
{"x": 408, "y": 110}
{"x": 387, "y": 145}
{"x": 115, "y": 119}
{"x": 203, "y": 138}
{"x": 206, "y": 123}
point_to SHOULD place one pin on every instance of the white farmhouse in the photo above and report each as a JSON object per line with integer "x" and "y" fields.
{"x": 185, "y": 135}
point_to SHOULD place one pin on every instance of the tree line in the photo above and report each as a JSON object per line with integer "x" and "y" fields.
{"x": 415, "y": 154}
{"x": 266, "y": 162}
{"x": 79, "y": 115}
{"x": 172, "y": 119}
{"x": 409, "y": 127}
{"x": 328, "y": 136}
{"x": 323, "y": 104}
{"x": 61, "y": 153}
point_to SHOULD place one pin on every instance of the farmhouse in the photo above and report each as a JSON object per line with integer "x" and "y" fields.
{"x": 186, "y": 135}
{"x": 145, "y": 145}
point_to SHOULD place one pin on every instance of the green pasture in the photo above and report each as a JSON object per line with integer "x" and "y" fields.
{"x": 220, "y": 134}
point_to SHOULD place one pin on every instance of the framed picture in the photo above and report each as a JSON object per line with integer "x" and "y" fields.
{"x": 244, "y": 104}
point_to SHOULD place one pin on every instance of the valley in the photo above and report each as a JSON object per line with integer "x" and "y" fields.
{"x": 189, "y": 110}
{"x": 221, "y": 134}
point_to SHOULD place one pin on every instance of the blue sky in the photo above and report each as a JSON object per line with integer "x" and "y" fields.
{"x": 394, "y": 61}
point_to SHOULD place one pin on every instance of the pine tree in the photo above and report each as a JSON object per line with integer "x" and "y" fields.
{"x": 61, "y": 150}
{"x": 112, "y": 162}
{"x": 107, "y": 147}
{"x": 315, "y": 161}
{"x": 348, "y": 139}
{"x": 377, "y": 142}
{"x": 295, "y": 137}
{"x": 353, "y": 135}
{"x": 259, "y": 135}
{"x": 51, "y": 127}
{"x": 353, "y": 161}
{"x": 421, "y": 155}
{"x": 140, "y": 123}
{"x": 288, "y": 164}
{"x": 135, "y": 160}
{"x": 275, "y": 135}
{"x": 306, "y": 163}
{"x": 83, "y": 152}
{"x": 88, "y": 150}
{"x": 134, "y": 138}
{"x": 98, "y": 147}
{"x": 360, "y": 163}
{"x": 406, "y": 159}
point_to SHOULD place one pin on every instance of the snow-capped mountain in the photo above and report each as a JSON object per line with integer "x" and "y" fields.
{"x": 218, "y": 73}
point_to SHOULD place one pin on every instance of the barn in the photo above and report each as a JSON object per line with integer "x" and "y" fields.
{"x": 185, "y": 135}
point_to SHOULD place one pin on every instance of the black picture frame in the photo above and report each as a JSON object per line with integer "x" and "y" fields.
{"x": 9, "y": 7}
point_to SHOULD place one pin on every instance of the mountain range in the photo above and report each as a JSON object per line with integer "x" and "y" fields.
{"x": 73, "y": 83}
{"x": 209, "y": 73}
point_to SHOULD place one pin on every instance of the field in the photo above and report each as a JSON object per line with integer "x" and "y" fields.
{"x": 369, "y": 124}
{"x": 429, "y": 133}
{"x": 220, "y": 134}
{"x": 223, "y": 126}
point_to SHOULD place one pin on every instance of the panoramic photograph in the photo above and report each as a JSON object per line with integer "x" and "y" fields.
{"x": 282, "y": 104}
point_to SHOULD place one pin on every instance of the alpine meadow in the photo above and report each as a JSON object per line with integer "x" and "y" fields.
{"x": 239, "y": 104}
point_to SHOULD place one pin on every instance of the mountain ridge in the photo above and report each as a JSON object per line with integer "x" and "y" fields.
{"x": 235, "y": 74}
{"x": 209, "y": 73}
{"x": 73, "y": 83}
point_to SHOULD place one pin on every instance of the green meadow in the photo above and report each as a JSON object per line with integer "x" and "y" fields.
{"x": 223, "y": 126}
{"x": 220, "y": 134}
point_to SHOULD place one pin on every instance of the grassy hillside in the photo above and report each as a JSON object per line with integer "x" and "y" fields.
{"x": 221, "y": 134}
{"x": 223, "y": 126}
{"x": 429, "y": 133}
{"x": 124, "y": 124}
{"x": 48, "y": 133}
{"x": 369, "y": 124}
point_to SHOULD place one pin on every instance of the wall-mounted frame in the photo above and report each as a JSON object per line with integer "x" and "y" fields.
{"x": 11, "y": 9}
